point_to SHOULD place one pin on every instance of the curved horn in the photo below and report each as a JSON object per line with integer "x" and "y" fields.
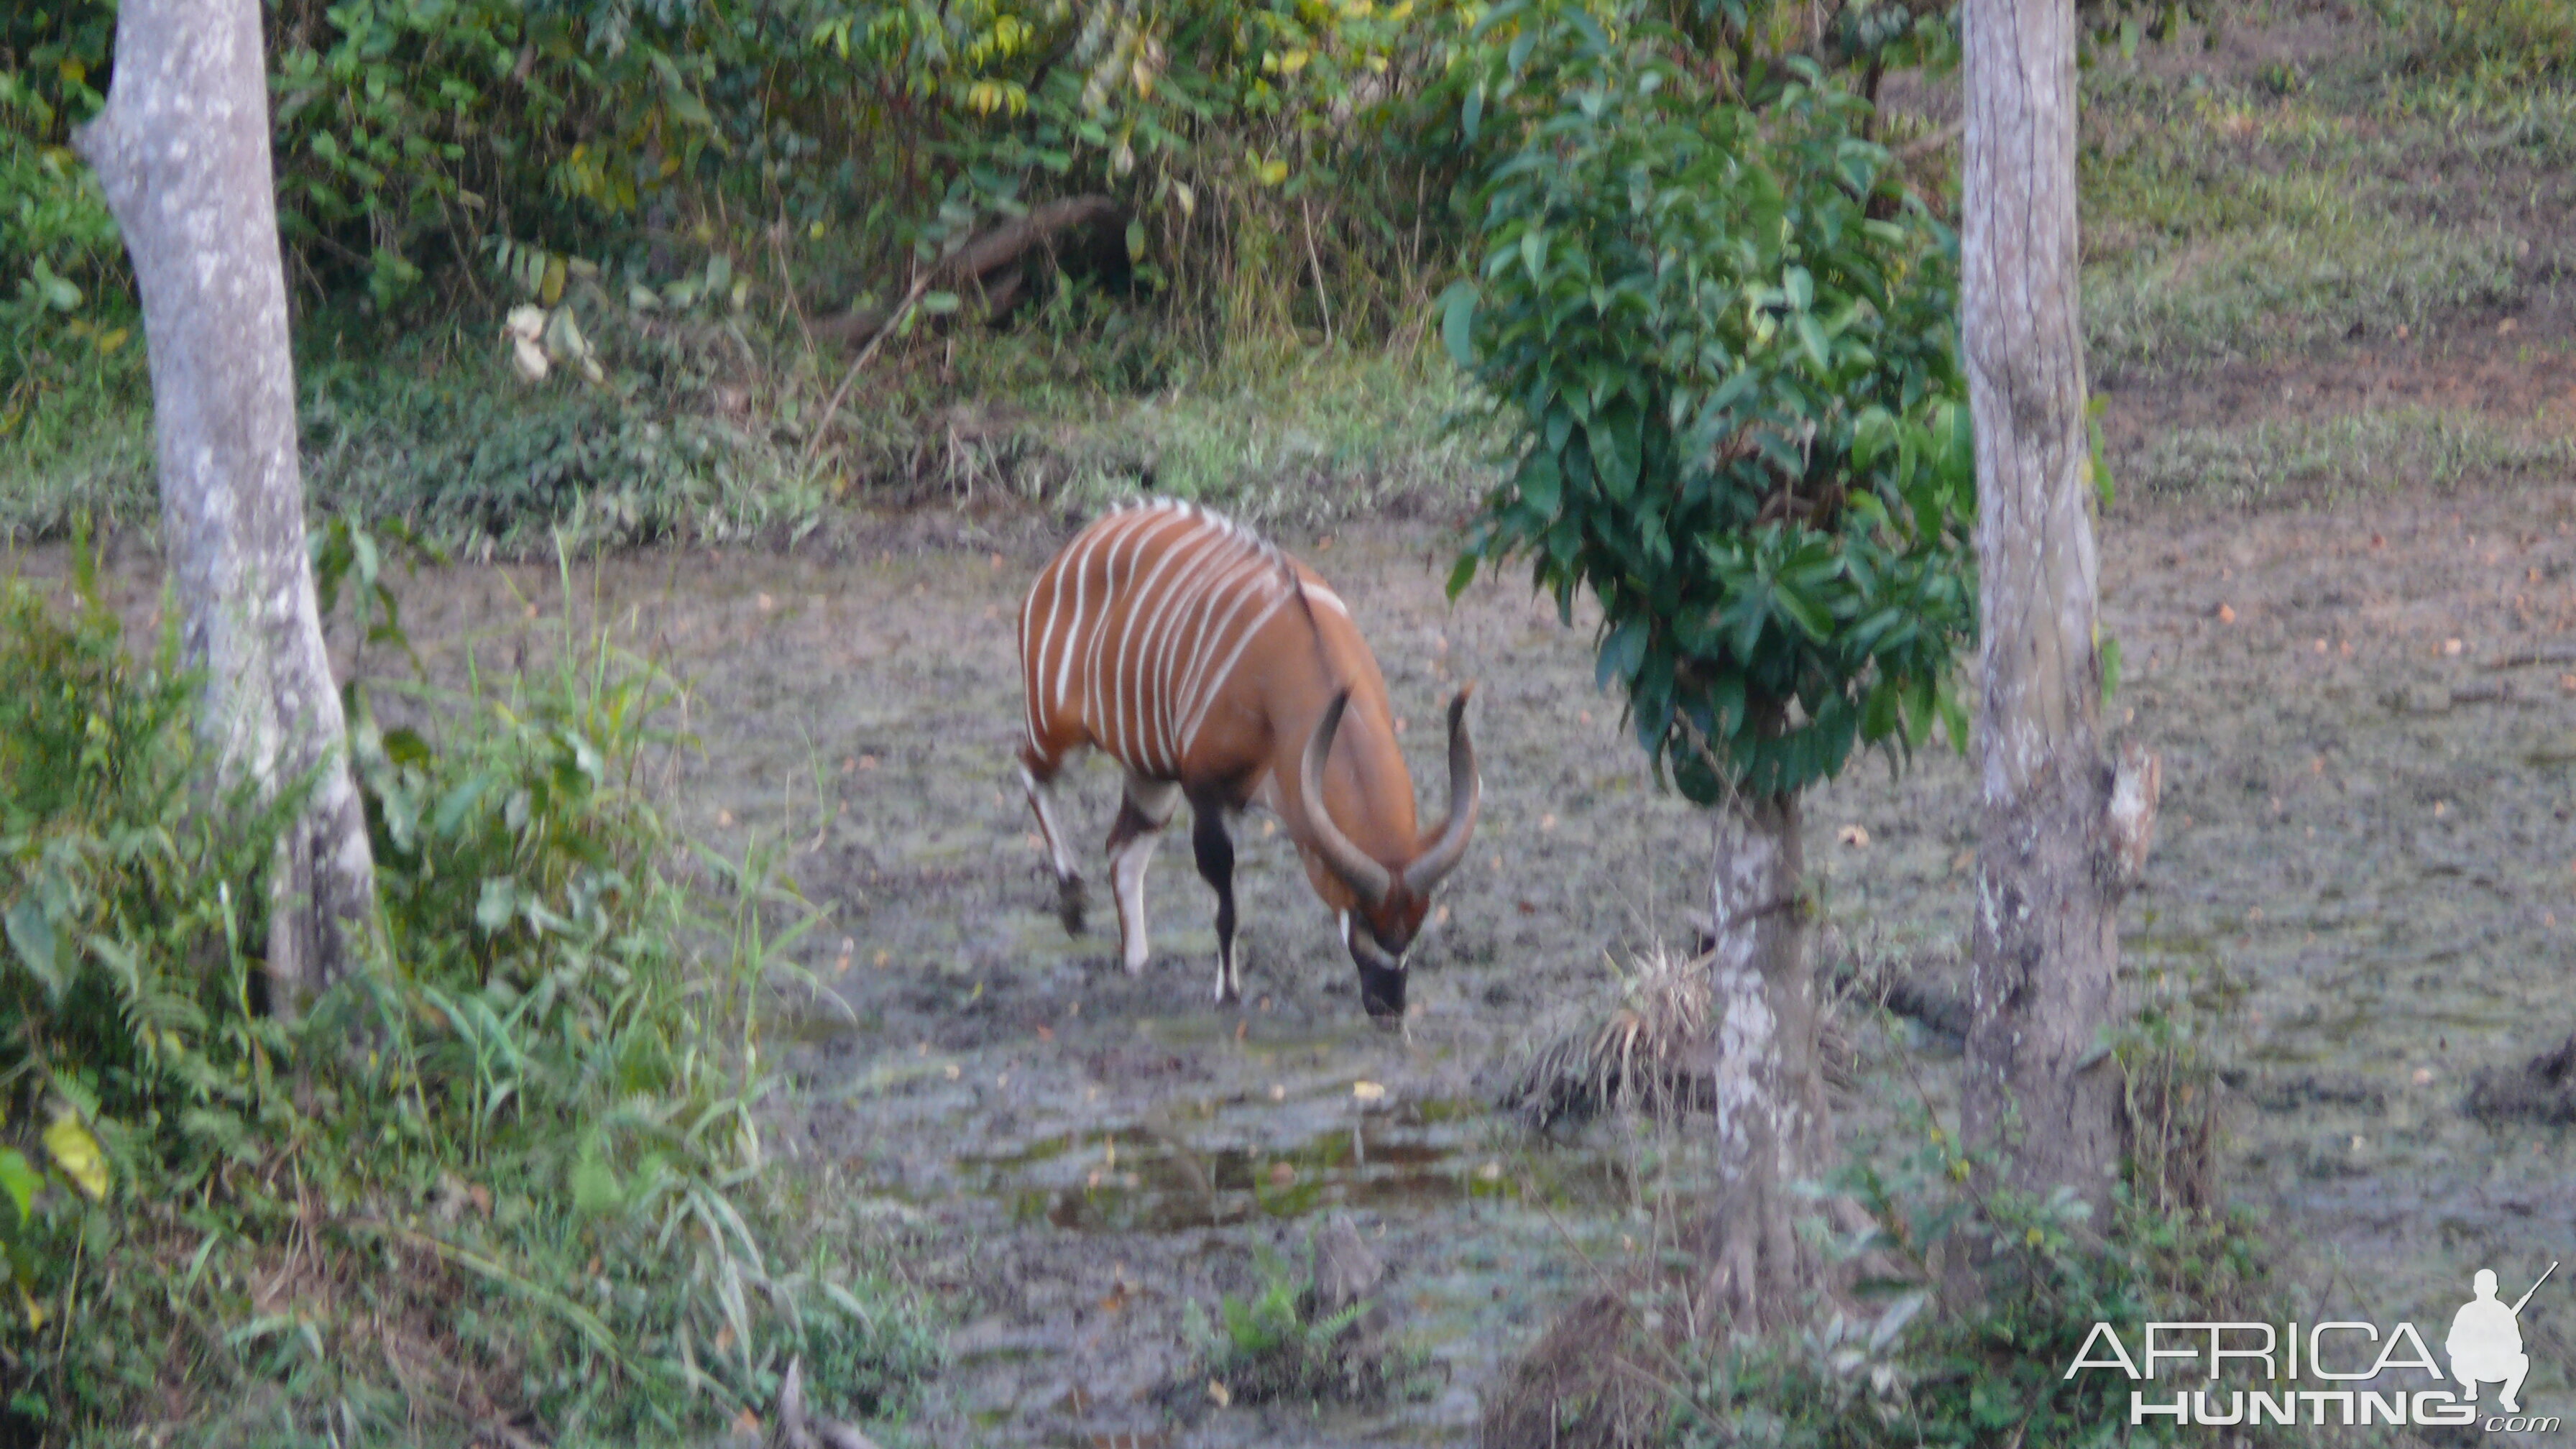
{"x": 1362, "y": 874}
{"x": 1466, "y": 791}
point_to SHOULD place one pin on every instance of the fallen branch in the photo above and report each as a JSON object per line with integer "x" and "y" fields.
{"x": 971, "y": 266}
{"x": 2560, "y": 653}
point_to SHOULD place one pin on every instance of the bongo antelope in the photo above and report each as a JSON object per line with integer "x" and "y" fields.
{"x": 1218, "y": 670}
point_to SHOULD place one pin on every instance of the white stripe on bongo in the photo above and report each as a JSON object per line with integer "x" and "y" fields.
{"x": 1190, "y": 603}
{"x": 1126, "y": 690}
{"x": 1106, "y": 697}
{"x": 1077, "y": 562}
{"x": 1109, "y": 601}
{"x": 1244, "y": 585}
{"x": 1184, "y": 599}
{"x": 1131, "y": 682}
{"x": 1216, "y": 685}
{"x": 1164, "y": 640}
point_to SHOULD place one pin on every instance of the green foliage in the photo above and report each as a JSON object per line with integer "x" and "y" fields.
{"x": 411, "y": 134}
{"x": 1976, "y": 1299}
{"x": 1980, "y": 1376}
{"x": 517, "y": 1173}
{"x": 1274, "y": 1345}
{"x": 65, "y": 320}
{"x": 1723, "y": 341}
{"x": 1989, "y": 1366}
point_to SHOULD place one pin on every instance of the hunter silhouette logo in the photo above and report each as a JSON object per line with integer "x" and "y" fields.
{"x": 2486, "y": 1340}
{"x": 2341, "y": 1372}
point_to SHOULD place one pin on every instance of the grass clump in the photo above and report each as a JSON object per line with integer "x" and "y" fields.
{"x": 2277, "y": 289}
{"x": 2296, "y": 456}
{"x": 1307, "y": 1333}
{"x": 511, "y": 1183}
{"x": 1647, "y": 1053}
{"x": 2494, "y": 41}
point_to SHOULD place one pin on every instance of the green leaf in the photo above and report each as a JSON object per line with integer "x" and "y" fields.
{"x": 1542, "y": 483}
{"x": 2109, "y": 649}
{"x": 1495, "y": 17}
{"x": 1617, "y": 449}
{"x": 1621, "y": 652}
{"x": 1595, "y": 38}
{"x": 21, "y": 1180}
{"x": 1812, "y": 337}
{"x": 1916, "y": 701}
{"x": 938, "y": 304}
{"x": 75, "y": 1150}
{"x": 57, "y": 293}
{"x": 451, "y": 810}
{"x": 1136, "y": 241}
{"x": 595, "y": 1190}
{"x": 1462, "y": 574}
{"x": 31, "y": 934}
{"x": 1879, "y": 714}
{"x": 1798, "y": 609}
{"x": 1726, "y": 700}
{"x": 1954, "y": 718}
{"x": 498, "y": 904}
{"x": 1458, "y": 323}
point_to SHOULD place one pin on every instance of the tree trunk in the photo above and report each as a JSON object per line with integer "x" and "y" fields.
{"x": 2038, "y": 1093}
{"x": 1773, "y": 1130}
{"x": 182, "y": 150}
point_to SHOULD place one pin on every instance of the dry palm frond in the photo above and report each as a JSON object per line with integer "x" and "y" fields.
{"x": 1646, "y": 1055}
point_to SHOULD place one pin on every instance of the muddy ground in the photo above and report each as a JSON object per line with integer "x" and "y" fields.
{"x": 2368, "y": 825}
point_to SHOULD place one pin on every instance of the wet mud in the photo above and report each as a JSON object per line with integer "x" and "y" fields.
{"x": 2366, "y": 838}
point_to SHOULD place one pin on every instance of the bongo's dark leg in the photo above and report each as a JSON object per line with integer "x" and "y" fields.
{"x": 1215, "y": 851}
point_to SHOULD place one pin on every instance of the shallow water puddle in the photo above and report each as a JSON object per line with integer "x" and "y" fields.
{"x": 1423, "y": 1155}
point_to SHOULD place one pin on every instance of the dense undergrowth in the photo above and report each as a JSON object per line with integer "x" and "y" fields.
{"x": 687, "y": 198}
{"x": 1958, "y": 1306}
{"x": 1298, "y": 187}
{"x": 511, "y": 1181}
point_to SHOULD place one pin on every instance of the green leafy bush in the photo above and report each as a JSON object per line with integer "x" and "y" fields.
{"x": 1990, "y": 1367}
{"x": 516, "y": 1175}
{"x": 1723, "y": 340}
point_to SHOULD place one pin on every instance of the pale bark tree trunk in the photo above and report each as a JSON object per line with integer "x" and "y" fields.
{"x": 2038, "y": 1091}
{"x": 1773, "y": 1131}
{"x": 182, "y": 150}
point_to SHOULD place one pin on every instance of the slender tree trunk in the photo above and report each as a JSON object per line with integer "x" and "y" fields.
{"x": 182, "y": 150}
{"x": 1773, "y": 1131}
{"x": 2038, "y": 1091}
